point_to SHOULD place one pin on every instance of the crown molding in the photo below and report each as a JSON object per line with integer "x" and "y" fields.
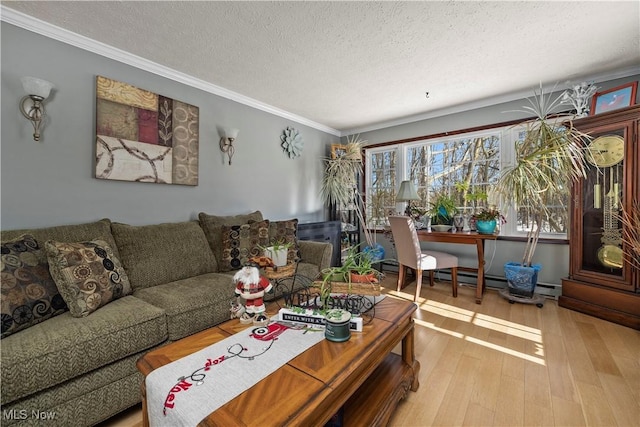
{"x": 46, "y": 29}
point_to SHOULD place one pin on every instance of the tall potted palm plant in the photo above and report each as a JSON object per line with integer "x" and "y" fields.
{"x": 340, "y": 183}
{"x": 548, "y": 159}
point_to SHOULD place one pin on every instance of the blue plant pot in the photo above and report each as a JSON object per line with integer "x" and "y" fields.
{"x": 522, "y": 280}
{"x": 376, "y": 251}
{"x": 486, "y": 227}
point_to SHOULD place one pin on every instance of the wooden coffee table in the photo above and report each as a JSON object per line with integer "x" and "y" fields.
{"x": 362, "y": 375}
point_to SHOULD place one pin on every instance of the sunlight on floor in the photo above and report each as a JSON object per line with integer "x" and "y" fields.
{"x": 485, "y": 321}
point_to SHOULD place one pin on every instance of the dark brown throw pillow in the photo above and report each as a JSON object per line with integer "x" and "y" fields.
{"x": 29, "y": 294}
{"x": 241, "y": 242}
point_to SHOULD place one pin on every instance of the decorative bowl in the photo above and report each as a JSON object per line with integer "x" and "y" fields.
{"x": 441, "y": 228}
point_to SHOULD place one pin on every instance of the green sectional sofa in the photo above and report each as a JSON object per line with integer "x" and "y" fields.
{"x": 82, "y": 370}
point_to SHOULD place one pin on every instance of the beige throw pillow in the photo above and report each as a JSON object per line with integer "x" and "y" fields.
{"x": 87, "y": 274}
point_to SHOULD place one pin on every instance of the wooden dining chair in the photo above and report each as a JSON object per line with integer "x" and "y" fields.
{"x": 410, "y": 255}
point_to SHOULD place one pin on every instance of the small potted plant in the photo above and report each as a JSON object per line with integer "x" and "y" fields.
{"x": 474, "y": 195}
{"x": 360, "y": 266}
{"x": 442, "y": 211}
{"x": 487, "y": 219}
{"x": 278, "y": 251}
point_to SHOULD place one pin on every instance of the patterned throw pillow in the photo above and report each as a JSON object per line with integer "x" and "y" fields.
{"x": 241, "y": 242}
{"x": 286, "y": 232}
{"x": 29, "y": 294}
{"x": 87, "y": 274}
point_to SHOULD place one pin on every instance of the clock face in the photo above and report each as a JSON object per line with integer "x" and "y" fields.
{"x": 606, "y": 151}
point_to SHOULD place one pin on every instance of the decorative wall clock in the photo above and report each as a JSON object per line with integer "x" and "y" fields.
{"x": 292, "y": 142}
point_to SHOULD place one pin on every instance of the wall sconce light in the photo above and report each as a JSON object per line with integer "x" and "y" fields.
{"x": 32, "y": 106}
{"x": 407, "y": 193}
{"x": 226, "y": 142}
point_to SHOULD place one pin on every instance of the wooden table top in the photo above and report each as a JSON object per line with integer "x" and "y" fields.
{"x": 310, "y": 388}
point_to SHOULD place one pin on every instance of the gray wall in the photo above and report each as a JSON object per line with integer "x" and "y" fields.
{"x": 51, "y": 182}
{"x": 554, "y": 257}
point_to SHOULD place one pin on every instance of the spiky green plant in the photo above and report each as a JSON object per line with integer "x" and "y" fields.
{"x": 631, "y": 233}
{"x": 548, "y": 160}
{"x": 340, "y": 177}
{"x": 340, "y": 185}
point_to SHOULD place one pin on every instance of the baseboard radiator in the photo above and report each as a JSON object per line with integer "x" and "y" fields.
{"x": 547, "y": 290}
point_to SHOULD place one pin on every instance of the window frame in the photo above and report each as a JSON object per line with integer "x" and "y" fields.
{"x": 508, "y": 134}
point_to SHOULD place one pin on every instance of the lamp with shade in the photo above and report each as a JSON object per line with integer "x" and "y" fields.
{"x": 407, "y": 193}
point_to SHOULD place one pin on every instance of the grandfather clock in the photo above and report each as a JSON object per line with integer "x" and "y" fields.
{"x": 601, "y": 281}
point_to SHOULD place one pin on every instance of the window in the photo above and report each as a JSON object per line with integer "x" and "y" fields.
{"x": 457, "y": 167}
{"x": 557, "y": 223}
{"x": 382, "y": 188}
{"x": 465, "y": 166}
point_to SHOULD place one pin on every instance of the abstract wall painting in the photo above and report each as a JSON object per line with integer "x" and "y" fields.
{"x": 144, "y": 137}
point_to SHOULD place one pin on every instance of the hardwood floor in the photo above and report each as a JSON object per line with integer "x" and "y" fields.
{"x": 501, "y": 364}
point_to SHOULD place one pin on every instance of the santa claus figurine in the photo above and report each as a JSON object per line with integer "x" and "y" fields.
{"x": 251, "y": 287}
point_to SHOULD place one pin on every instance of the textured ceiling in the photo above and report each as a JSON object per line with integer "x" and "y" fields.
{"x": 357, "y": 65}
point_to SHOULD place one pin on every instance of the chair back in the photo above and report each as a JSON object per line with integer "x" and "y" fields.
{"x": 406, "y": 240}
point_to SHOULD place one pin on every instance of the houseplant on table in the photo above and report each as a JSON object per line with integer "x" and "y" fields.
{"x": 278, "y": 251}
{"x": 360, "y": 265}
{"x": 548, "y": 159}
{"x": 475, "y": 196}
{"x": 442, "y": 210}
{"x": 487, "y": 220}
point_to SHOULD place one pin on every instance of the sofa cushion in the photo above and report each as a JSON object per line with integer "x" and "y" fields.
{"x": 115, "y": 387}
{"x": 69, "y": 233}
{"x": 212, "y": 226}
{"x": 163, "y": 253}
{"x": 29, "y": 294}
{"x": 65, "y": 347}
{"x": 286, "y": 232}
{"x": 88, "y": 274}
{"x": 241, "y": 242}
{"x": 192, "y": 304}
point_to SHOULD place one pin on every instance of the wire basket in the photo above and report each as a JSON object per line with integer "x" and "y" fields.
{"x": 369, "y": 289}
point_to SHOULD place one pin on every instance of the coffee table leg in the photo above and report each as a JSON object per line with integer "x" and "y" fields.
{"x": 408, "y": 355}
